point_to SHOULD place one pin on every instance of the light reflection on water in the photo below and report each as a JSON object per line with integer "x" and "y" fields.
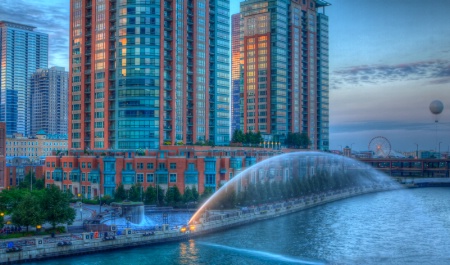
{"x": 398, "y": 227}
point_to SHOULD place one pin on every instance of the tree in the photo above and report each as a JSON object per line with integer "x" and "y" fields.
{"x": 195, "y": 194}
{"x": 297, "y": 140}
{"x": 56, "y": 208}
{"x": 120, "y": 193}
{"x": 135, "y": 193}
{"x": 188, "y": 196}
{"x": 28, "y": 212}
{"x": 258, "y": 138}
{"x": 206, "y": 193}
{"x": 238, "y": 136}
{"x": 160, "y": 195}
{"x": 150, "y": 195}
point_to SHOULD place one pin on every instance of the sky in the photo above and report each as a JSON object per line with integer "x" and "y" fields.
{"x": 388, "y": 60}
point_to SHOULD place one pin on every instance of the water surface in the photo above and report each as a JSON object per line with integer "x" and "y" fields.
{"x": 397, "y": 227}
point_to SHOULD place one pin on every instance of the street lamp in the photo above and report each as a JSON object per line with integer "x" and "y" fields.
{"x": 417, "y": 150}
{"x": 440, "y": 149}
{"x": 100, "y": 198}
{"x": 81, "y": 206}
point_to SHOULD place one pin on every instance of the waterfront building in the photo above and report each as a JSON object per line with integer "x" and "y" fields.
{"x": 49, "y": 101}
{"x": 18, "y": 167}
{"x": 22, "y": 52}
{"x": 148, "y": 73}
{"x": 95, "y": 173}
{"x": 235, "y": 73}
{"x": 284, "y": 59}
{"x": 35, "y": 148}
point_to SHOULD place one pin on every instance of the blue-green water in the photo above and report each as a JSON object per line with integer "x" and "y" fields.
{"x": 398, "y": 227}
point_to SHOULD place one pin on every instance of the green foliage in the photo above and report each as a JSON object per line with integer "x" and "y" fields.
{"x": 120, "y": 193}
{"x": 55, "y": 205}
{"x": 160, "y": 198}
{"x": 28, "y": 212}
{"x": 238, "y": 136}
{"x": 247, "y": 138}
{"x": 195, "y": 194}
{"x": 173, "y": 196}
{"x": 188, "y": 195}
{"x": 298, "y": 140}
{"x": 9, "y": 199}
{"x": 150, "y": 196}
{"x": 135, "y": 193}
{"x": 29, "y": 180}
{"x": 106, "y": 199}
{"x": 206, "y": 194}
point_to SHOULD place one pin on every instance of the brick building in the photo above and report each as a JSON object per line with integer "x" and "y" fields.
{"x": 17, "y": 168}
{"x": 193, "y": 166}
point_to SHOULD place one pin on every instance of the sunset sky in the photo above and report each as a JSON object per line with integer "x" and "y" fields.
{"x": 388, "y": 60}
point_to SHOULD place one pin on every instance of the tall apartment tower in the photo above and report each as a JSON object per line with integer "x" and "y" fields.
{"x": 235, "y": 72}
{"x": 22, "y": 52}
{"x": 148, "y": 73}
{"x": 49, "y": 101}
{"x": 284, "y": 55}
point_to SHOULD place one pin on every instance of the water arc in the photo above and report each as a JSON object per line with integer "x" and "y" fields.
{"x": 276, "y": 180}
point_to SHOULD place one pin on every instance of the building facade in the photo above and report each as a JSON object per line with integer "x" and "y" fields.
{"x": 22, "y": 52}
{"x": 148, "y": 73}
{"x": 284, "y": 58}
{"x": 17, "y": 168}
{"x": 49, "y": 101}
{"x": 2, "y": 155}
{"x": 35, "y": 148}
{"x": 199, "y": 167}
{"x": 235, "y": 73}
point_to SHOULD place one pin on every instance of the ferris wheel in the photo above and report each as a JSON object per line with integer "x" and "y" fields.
{"x": 380, "y": 146}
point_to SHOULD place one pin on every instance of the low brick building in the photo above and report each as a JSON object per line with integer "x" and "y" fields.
{"x": 92, "y": 174}
{"x": 17, "y": 168}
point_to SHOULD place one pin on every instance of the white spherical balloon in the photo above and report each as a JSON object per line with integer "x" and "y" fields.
{"x": 436, "y": 107}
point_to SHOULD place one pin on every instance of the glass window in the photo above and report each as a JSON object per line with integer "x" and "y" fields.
{"x": 173, "y": 177}
{"x": 150, "y": 178}
{"x": 140, "y": 177}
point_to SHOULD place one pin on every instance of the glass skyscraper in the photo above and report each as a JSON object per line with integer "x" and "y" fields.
{"x": 49, "y": 101}
{"x": 284, "y": 69}
{"x": 235, "y": 73}
{"x": 22, "y": 52}
{"x": 146, "y": 73}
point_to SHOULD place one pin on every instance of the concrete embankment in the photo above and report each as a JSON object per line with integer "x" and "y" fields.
{"x": 37, "y": 248}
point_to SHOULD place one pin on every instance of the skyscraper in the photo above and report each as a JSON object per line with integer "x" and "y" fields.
{"x": 22, "y": 52}
{"x": 148, "y": 73}
{"x": 235, "y": 72}
{"x": 49, "y": 101}
{"x": 284, "y": 54}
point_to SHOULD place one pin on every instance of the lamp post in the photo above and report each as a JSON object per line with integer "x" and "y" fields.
{"x": 81, "y": 206}
{"x": 100, "y": 198}
{"x": 417, "y": 150}
{"x": 440, "y": 149}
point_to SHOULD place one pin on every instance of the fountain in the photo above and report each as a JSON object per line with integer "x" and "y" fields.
{"x": 132, "y": 211}
{"x": 309, "y": 176}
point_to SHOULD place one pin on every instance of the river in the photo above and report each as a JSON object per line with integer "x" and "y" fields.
{"x": 397, "y": 227}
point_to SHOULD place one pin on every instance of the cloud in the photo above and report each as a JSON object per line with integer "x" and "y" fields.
{"x": 438, "y": 71}
{"x": 50, "y": 17}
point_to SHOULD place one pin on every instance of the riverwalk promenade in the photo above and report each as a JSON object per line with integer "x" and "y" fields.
{"x": 38, "y": 248}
